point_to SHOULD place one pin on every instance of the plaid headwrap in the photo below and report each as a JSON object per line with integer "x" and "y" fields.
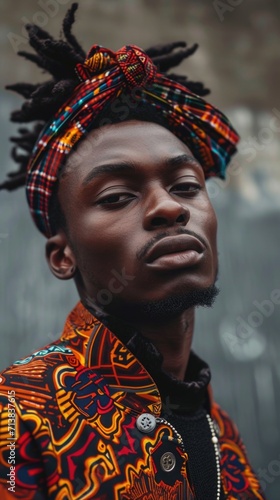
{"x": 104, "y": 76}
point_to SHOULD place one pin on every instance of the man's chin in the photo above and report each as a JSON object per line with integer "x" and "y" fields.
{"x": 163, "y": 309}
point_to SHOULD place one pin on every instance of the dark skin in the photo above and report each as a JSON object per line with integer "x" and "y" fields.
{"x": 153, "y": 191}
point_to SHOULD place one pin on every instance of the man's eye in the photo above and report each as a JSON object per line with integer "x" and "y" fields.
{"x": 115, "y": 199}
{"x": 187, "y": 188}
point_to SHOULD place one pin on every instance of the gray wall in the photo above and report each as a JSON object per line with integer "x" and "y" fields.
{"x": 239, "y": 61}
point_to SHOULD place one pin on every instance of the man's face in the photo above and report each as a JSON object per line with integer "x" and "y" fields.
{"x": 139, "y": 219}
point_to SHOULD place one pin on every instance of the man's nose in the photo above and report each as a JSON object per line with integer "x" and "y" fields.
{"x": 163, "y": 210}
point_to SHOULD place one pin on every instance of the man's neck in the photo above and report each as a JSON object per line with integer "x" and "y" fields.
{"x": 173, "y": 340}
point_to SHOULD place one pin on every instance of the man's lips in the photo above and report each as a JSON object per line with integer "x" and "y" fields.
{"x": 174, "y": 245}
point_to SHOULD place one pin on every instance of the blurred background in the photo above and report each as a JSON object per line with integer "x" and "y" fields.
{"x": 238, "y": 60}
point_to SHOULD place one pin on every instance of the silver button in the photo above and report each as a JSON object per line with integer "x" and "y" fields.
{"x": 168, "y": 461}
{"x": 146, "y": 422}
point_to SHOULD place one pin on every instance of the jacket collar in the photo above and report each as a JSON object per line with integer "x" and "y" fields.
{"x": 97, "y": 348}
{"x": 124, "y": 367}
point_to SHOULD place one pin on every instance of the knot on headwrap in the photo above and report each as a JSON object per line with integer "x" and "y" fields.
{"x": 136, "y": 66}
{"x": 104, "y": 76}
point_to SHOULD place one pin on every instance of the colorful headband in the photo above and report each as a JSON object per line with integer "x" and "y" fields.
{"x": 104, "y": 76}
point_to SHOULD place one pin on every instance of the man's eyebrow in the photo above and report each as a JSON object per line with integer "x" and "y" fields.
{"x": 110, "y": 168}
{"x": 181, "y": 160}
{"x": 127, "y": 167}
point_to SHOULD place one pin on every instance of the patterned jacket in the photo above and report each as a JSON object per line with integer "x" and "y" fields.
{"x": 72, "y": 426}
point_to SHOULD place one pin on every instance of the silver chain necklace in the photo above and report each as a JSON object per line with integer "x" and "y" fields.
{"x": 215, "y": 442}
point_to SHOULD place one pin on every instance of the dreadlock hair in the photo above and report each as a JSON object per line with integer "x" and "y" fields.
{"x": 59, "y": 58}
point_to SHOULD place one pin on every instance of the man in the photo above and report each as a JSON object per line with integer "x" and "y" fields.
{"x": 120, "y": 407}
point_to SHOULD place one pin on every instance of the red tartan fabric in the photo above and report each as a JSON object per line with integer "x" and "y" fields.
{"x": 104, "y": 76}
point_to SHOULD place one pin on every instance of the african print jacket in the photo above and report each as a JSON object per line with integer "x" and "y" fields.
{"x": 72, "y": 426}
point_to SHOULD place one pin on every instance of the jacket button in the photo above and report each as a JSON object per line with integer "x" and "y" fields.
{"x": 146, "y": 422}
{"x": 167, "y": 461}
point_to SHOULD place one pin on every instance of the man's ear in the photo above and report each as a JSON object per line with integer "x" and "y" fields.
{"x": 60, "y": 257}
